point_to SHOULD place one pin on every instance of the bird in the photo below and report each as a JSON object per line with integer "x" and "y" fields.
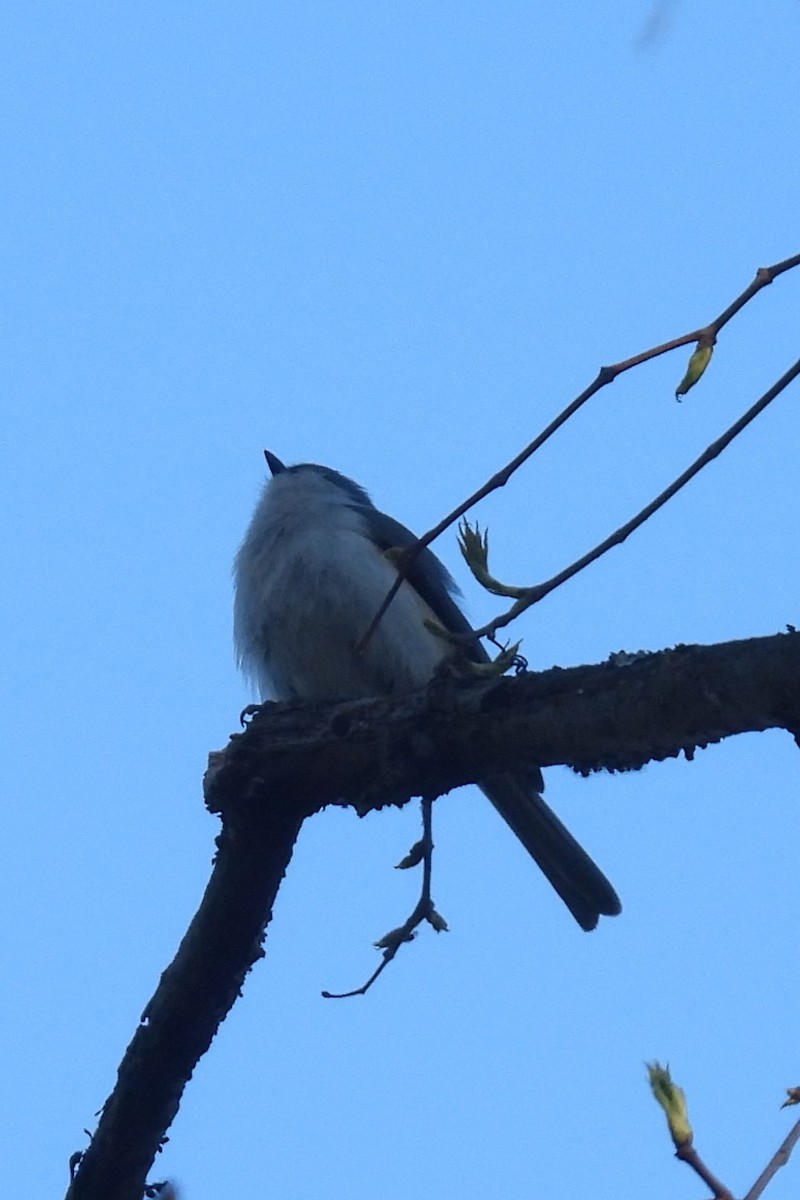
{"x": 309, "y": 576}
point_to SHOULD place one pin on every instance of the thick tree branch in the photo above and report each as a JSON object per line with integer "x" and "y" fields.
{"x": 371, "y": 753}
{"x": 193, "y": 997}
{"x": 292, "y": 760}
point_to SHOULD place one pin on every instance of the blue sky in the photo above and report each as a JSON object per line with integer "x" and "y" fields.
{"x": 395, "y": 238}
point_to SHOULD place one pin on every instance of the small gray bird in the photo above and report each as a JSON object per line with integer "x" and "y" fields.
{"x": 310, "y": 576}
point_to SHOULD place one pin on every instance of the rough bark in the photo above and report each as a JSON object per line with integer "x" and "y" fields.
{"x": 293, "y": 760}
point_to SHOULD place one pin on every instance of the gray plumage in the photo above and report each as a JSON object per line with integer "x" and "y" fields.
{"x": 310, "y": 575}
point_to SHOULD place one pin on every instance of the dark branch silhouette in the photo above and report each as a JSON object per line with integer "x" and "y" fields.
{"x": 533, "y": 595}
{"x": 292, "y": 760}
{"x": 705, "y": 336}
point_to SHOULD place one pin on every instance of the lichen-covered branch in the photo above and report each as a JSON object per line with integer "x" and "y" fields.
{"x": 293, "y": 760}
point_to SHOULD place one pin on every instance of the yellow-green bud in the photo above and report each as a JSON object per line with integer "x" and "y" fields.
{"x": 697, "y": 365}
{"x": 673, "y": 1102}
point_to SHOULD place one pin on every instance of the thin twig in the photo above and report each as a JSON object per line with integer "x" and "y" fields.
{"x": 704, "y": 336}
{"x": 424, "y": 910}
{"x": 778, "y": 1160}
{"x": 689, "y": 1155}
{"x": 535, "y": 594}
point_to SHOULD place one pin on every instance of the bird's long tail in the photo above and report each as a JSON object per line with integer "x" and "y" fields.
{"x": 579, "y": 882}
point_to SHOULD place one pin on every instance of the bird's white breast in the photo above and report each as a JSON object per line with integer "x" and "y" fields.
{"x": 308, "y": 582}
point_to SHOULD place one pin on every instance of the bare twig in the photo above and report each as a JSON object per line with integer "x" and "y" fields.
{"x": 778, "y": 1160}
{"x": 424, "y": 910}
{"x": 689, "y": 1155}
{"x": 673, "y": 1101}
{"x": 704, "y": 336}
{"x": 534, "y": 594}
